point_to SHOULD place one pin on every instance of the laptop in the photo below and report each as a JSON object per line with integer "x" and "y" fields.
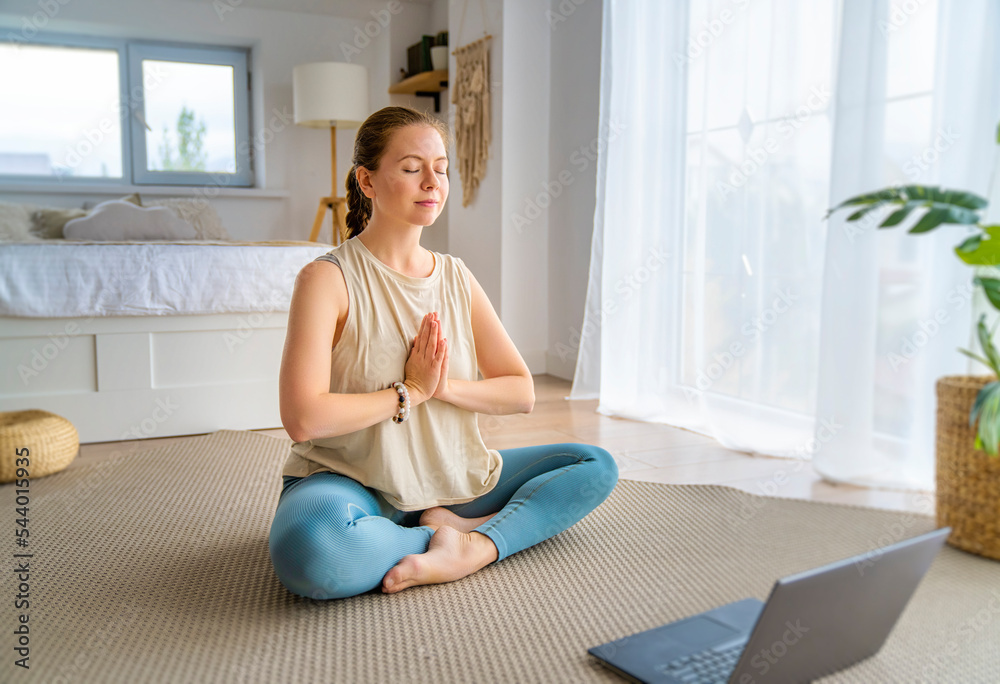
{"x": 813, "y": 623}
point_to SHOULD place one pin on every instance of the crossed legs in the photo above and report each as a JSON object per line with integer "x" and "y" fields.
{"x": 331, "y": 537}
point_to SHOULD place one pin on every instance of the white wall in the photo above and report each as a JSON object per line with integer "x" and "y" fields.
{"x": 525, "y": 233}
{"x": 533, "y": 260}
{"x": 475, "y": 231}
{"x": 573, "y": 127}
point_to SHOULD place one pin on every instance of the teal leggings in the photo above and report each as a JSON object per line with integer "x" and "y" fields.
{"x": 332, "y": 537}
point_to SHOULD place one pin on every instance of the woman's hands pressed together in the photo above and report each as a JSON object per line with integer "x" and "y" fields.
{"x": 441, "y": 391}
{"x": 426, "y": 371}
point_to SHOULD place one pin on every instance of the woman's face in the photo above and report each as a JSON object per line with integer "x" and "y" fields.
{"x": 412, "y": 173}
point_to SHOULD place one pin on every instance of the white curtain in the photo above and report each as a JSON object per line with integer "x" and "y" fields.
{"x": 719, "y": 299}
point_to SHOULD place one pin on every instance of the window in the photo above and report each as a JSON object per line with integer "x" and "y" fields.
{"x": 758, "y": 170}
{"x": 104, "y": 110}
{"x": 759, "y": 157}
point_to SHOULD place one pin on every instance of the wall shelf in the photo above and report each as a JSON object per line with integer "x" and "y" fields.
{"x": 425, "y": 84}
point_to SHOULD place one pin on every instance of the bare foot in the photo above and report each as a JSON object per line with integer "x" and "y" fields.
{"x": 451, "y": 555}
{"x": 438, "y": 516}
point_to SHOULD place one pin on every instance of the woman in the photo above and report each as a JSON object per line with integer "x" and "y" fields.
{"x": 419, "y": 499}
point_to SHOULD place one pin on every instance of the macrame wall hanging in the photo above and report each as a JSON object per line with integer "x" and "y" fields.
{"x": 471, "y": 95}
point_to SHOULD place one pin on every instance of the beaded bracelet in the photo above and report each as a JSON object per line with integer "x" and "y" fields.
{"x": 404, "y": 403}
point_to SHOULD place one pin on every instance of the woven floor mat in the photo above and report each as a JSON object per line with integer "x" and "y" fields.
{"x": 153, "y": 566}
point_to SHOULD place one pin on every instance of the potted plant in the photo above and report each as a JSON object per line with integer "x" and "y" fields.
{"x": 967, "y": 462}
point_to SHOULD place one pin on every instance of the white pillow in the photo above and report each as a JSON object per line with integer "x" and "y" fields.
{"x": 121, "y": 220}
{"x": 198, "y": 212}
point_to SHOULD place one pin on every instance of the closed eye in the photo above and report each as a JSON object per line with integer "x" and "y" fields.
{"x": 443, "y": 173}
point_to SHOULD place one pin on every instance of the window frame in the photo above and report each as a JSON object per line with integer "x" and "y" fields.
{"x": 133, "y": 139}
{"x": 238, "y": 59}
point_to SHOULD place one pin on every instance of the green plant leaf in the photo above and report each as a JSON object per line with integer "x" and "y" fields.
{"x": 943, "y": 205}
{"x": 986, "y": 342}
{"x": 931, "y": 220}
{"x": 977, "y": 406}
{"x": 886, "y": 195}
{"x": 943, "y": 196}
{"x": 864, "y": 210}
{"x": 944, "y": 214}
{"x": 986, "y": 408}
{"x": 977, "y": 357}
{"x": 982, "y": 249}
{"x": 898, "y": 216}
{"x": 991, "y": 287}
{"x": 970, "y": 244}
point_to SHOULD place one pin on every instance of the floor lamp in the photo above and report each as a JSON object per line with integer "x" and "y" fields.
{"x": 330, "y": 94}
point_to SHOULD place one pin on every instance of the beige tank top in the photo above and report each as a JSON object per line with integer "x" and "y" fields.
{"x": 436, "y": 457}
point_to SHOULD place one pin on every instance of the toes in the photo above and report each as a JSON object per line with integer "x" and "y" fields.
{"x": 401, "y": 575}
{"x": 393, "y": 589}
{"x": 393, "y": 575}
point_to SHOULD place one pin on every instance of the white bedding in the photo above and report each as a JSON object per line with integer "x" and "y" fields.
{"x": 69, "y": 278}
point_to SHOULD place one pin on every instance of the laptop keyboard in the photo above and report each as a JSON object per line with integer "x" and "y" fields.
{"x": 706, "y": 666}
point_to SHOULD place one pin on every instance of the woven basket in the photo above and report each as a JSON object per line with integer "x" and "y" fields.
{"x": 968, "y": 479}
{"x": 51, "y": 442}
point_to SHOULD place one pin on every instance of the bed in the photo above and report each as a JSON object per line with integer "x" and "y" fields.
{"x": 137, "y": 339}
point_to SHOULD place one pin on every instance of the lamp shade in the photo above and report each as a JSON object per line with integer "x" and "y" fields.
{"x": 330, "y": 94}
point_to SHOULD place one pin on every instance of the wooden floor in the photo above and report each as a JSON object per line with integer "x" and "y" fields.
{"x": 644, "y": 451}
